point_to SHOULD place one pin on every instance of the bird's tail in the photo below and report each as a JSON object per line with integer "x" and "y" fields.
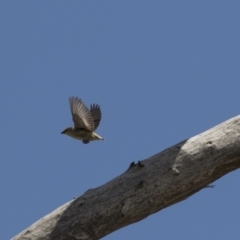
{"x": 97, "y": 137}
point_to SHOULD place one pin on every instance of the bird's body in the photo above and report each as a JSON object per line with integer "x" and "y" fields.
{"x": 85, "y": 121}
{"x": 81, "y": 134}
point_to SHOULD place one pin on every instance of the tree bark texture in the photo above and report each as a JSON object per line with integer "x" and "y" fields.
{"x": 145, "y": 187}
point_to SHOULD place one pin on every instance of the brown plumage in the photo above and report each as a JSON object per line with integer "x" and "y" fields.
{"x": 85, "y": 121}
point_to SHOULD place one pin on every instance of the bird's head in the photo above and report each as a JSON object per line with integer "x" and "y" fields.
{"x": 67, "y": 131}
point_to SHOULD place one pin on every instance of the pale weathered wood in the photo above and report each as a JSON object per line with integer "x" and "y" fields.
{"x": 156, "y": 183}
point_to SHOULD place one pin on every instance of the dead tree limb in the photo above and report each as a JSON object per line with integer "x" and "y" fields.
{"x": 145, "y": 188}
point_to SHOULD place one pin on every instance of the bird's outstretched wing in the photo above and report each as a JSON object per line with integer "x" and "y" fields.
{"x": 96, "y": 114}
{"x": 81, "y": 116}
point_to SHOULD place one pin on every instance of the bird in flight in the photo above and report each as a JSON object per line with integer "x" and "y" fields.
{"x": 85, "y": 121}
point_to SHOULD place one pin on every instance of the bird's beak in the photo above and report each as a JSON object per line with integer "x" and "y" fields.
{"x": 63, "y": 131}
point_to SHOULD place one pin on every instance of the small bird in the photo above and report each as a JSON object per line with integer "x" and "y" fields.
{"x": 85, "y": 121}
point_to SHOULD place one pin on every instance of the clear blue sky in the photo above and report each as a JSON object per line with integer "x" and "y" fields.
{"x": 162, "y": 71}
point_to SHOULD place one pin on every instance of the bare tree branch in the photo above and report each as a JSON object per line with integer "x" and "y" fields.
{"x": 145, "y": 188}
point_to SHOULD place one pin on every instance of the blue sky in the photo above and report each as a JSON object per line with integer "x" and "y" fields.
{"x": 162, "y": 71}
